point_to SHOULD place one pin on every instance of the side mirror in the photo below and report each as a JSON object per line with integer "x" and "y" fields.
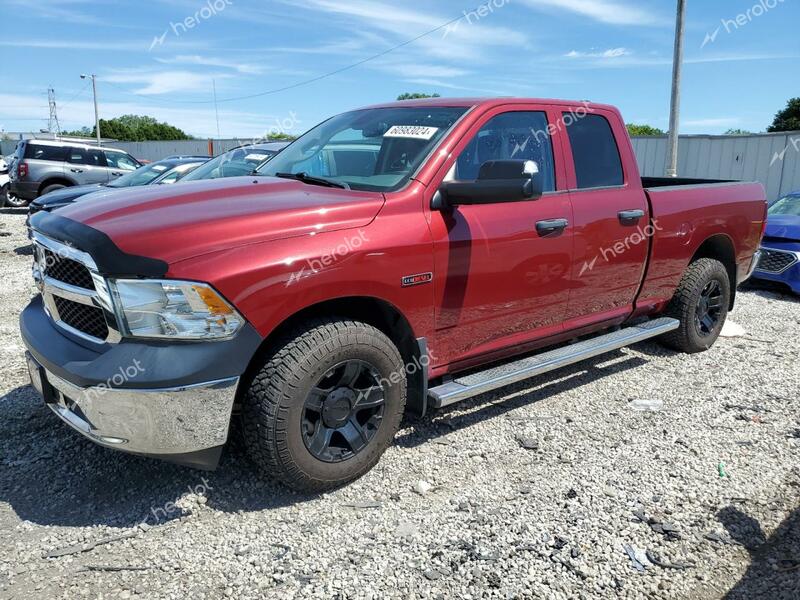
{"x": 498, "y": 181}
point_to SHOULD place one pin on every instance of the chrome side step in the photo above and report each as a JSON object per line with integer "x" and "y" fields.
{"x": 467, "y": 386}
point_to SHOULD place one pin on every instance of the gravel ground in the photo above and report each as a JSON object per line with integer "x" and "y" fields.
{"x": 534, "y": 492}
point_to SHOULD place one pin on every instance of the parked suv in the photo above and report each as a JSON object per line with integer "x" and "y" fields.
{"x": 42, "y": 166}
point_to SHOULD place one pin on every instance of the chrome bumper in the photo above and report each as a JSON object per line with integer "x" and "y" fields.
{"x": 161, "y": 422}
{"x": 753, "y": 265}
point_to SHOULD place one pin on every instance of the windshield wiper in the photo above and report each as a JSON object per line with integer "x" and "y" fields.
{"x": 311, "y": 180}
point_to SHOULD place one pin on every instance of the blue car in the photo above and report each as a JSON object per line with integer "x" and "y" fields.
{"x": 780, "y": 250}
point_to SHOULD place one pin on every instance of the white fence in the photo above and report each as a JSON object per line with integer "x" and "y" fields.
{"x": 770, "y": 158}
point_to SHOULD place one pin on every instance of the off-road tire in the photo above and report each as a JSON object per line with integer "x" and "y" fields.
{"x": 272, "y": 405}
{"x": 683, "y": 306}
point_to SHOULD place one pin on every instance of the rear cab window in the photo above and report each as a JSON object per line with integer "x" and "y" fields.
{"x": 594, "y": 151}
{"x": 45, "y": 152}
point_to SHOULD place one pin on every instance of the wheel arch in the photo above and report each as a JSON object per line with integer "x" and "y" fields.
{"x": 53, "y": 180}
{"x": 720, "y": 247}
{"x": 377, "y": 312}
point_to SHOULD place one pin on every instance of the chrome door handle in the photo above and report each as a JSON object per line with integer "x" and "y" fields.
{"x": 630, "y": 217}
{"x": 551, "y": 226}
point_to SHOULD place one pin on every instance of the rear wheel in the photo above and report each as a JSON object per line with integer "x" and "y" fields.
{"x": 701, "y": 305}
{"x": 325, "y": 405}
{"x": 9, "y": 199}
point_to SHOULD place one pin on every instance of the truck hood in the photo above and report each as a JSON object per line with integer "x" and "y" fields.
{"x": 180, "y": 221}
{"x": 786, "y": 227}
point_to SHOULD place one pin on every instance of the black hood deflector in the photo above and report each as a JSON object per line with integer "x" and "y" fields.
{"x": 110, "y": 260}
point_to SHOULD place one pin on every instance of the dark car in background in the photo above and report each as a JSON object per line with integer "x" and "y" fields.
{"x": 780, "y": 250}
{"x": 42, "y": 166}
{"x": 168, "y": 170}
{"x": 237, "y": 162}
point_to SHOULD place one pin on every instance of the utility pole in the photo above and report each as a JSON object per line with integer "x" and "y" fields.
{"x": 675, "y": 102}
{"x": 52, "y": 123}
{"x": 216, "y": 109}
{"x": 96, "y": 113}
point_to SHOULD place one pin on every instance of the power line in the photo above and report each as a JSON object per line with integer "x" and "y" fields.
{"x": 305, "y": 81}
{"x": 68, "y": 102}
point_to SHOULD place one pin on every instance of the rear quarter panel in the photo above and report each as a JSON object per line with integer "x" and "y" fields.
{"x": 686, "y": 216}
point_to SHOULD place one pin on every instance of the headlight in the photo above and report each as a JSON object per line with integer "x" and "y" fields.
{"x": 173, "y": 309}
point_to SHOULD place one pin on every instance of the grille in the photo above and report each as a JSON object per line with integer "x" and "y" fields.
{"x": 775, "y": 261}
{"x": 87, "y": 319}
{"x": 67, "y": 270}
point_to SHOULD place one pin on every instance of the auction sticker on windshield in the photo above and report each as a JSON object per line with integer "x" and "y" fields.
{"x": 417, "y": 132}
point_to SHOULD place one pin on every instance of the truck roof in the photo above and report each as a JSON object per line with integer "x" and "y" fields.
{"x": 491, "y": 102}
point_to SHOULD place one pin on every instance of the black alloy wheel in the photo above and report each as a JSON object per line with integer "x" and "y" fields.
{"x": 709, "y": 308}
{"x": 343, "y": 411}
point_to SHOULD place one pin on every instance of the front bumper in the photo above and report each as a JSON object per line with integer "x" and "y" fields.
{"x": 789, "y": 274}
{"x": 186, "y": 424}
{"x": 168, "y": 401}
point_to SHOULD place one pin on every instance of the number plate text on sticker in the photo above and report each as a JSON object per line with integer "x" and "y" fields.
{"x": 416, "y": 132}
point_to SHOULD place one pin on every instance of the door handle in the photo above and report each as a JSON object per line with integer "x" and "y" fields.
{"x": 551, "y": 226}
{"x": 77, "y": 170}
{"x": 630, "y": 217}
{"x": 116, "y": 173}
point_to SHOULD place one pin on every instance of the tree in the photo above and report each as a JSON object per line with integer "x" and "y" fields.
{"x": 738, "y": 132}
{"x": 134, "y": 128}
{"x": 788, "y": 119}
{"x": 82, "y": 132}
{"x": 643, "y": 130}
{"x": 416, "y": 95}
{"x": 280, "y": 137}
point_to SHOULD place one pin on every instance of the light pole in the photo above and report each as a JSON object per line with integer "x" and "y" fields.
{"x": 675, "y": 103}
{"x": 96, "y": 113}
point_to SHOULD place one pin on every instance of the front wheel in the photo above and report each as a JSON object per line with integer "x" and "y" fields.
{"x": 701, "y": 305}
{"x": 325, "y": 405}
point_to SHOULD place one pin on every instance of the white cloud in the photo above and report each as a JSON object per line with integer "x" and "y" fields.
{"x": 165, "y": 82}
{"x": 711, "y": 122}
{"x": 205, "y": 61}
{"x": 64, "y": 11}
{"x": 417, "y": 70}
{"x": 75, "y": 45}
{"x": 464, "y": 39}
{"x": 27, "y": 112}
{"x": 611, "y": 12}
{"x": 610, "y": 53}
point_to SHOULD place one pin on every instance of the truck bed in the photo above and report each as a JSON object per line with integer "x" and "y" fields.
{"x": 687, "y": 212}
{"x": 658, "y": 182}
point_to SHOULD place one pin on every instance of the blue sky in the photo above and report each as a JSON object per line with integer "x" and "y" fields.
{"x": 149, "y": 60}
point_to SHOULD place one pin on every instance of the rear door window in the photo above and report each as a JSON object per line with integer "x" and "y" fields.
{"x": 119, "y": 160}
{"x": 42, "y": 152}
{"x": 594, "y": 151}
{"x": 89, "y": 157}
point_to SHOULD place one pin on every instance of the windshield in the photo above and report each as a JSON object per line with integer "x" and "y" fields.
{"x": 240, "y": 161}
{"x": 376, "y": 149}
{"x": 141, "y": 176}
{"x": 790, "y": 205}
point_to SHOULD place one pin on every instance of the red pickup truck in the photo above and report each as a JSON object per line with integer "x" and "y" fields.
{"x": 395, "y": 258}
